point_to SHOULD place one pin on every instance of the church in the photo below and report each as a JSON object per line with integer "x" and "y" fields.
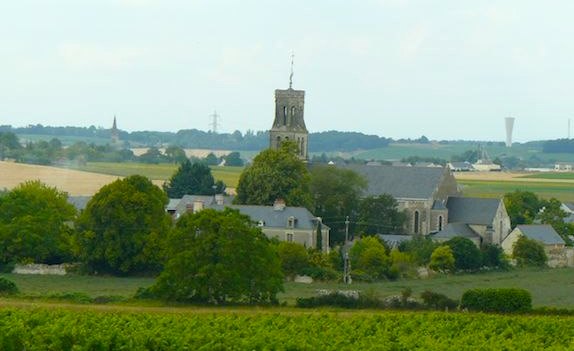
{"x": 289, "y": 123}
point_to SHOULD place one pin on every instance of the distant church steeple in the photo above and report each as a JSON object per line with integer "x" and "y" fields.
{"x": 289, "y": 124}
{"x": 115, "y": 135}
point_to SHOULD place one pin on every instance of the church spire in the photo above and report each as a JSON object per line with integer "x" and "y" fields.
{"x": 291, "y": 75}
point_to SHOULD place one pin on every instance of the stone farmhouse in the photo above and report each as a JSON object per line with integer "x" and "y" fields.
{"x": 484, "y": 221}
{"x": 554, "y": 245}
{"x": 284, "y": 223}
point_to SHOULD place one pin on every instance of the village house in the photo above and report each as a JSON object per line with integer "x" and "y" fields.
{"x": 484, "y": 221}
{"x": 554, "y": 245}
{"x": 281, "y": 222}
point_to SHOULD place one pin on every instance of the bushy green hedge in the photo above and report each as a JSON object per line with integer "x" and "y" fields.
{"x": 7, "y": 287}
{"x": 339, "y": 300}
{"x": 497, "y": 300}
{"x": 438, "y": 301}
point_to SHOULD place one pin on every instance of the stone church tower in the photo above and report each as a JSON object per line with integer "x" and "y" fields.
{"x": 115, "y": 134}
{"x": 289, "y": 123}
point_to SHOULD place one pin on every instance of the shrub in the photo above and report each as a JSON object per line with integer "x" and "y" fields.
{"x": 339, "y": 300}
{"x": 493, "y": 257}
{"x": 497, "y": 300}
{"x": 442, "y": 259}
{"x": 438, "y": 301}
{"x": 528, "y": 252}
{"x": 7, "y": 287}
{"x": 466, "y": 254}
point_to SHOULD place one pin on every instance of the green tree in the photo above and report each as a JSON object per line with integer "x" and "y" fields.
{"x": 466, "y": 254}
{"x": 211, "y": 159}
{"x": 294, "y": 258}
{"x": 553, "y": 214}
{"x": 522, "y": 206}
{"x": 233, "y": 159}
{"x": 528, "y": 252}
{"x": 175, "y": 154}
{"x": 369, "y": 256}
{"x": 380, "y": 215}
{"x": 153, "y": 155}
{"x": 218, "y": 257}
{"x": 275, "y": 174}
{"x": 122, "y": 229}
{"x": 336, "y": 194}
{"x": 33, "y": 227}
{"x": 420, "y": 247}
{"x": 493, "y": 256}
{"x": 442, "y": 259}
{"x": 192, "y": 179}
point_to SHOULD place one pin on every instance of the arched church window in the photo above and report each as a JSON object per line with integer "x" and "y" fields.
{"x": 439, "y": 225}
{"x": 284, "y": 115}
{"x": 293, "y": 111}
{"x": 417, "y": 220}
{"x": 278, "y": 141}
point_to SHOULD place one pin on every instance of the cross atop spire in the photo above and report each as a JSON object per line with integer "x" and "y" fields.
{"x": 291, "y": 75}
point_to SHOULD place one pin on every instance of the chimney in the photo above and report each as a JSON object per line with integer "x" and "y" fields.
{"x": 279, "y": 205}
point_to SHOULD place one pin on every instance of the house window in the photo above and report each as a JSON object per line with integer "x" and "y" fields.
{"x": 289, "y": 237}
{"x": 439, "y": 224}
{"x": 417, "y": 220}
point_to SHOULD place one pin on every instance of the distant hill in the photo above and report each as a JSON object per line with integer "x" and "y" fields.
{"x": 329, "y": 141}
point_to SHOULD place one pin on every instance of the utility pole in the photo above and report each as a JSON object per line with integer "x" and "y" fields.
{"x": 346, "y": 261}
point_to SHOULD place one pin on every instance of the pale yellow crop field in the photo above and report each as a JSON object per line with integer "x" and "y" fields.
{"x": 71, "y": 181}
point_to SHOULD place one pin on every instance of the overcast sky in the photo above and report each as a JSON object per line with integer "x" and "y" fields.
{"x": 445, "y": 69}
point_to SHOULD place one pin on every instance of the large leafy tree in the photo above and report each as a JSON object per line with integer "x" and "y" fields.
{"x": 33, "y": 224}
{"x": 336, "y": 194}
{"x": 275, "y": 174}
{"x": 192, "y": 179}
{"x": 522, "y": 206}
{"x": 219, "y": 257}
{"x": 528, "y": 252}
{"x": 467, "y": 256}
{"x": 369, "y": 256}
{"x": 122, "y": 228}
{"x": 380, "y": 215}
{"x": 553, "y": 214}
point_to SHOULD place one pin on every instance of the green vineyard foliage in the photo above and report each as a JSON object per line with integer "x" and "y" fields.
{"x": 60, "y": 329}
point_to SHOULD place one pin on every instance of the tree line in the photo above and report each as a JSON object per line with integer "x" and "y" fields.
{"x": 194, "y": 138}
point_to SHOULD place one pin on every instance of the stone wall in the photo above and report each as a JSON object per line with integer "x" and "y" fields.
{"x": 41, "y": 269}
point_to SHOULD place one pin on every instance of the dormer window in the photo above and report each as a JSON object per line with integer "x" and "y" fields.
{"x": 291, "y": 222}
{"x": 261, "y": 224}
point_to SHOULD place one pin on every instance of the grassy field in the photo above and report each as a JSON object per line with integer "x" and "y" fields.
{"x": 549, "y": 287}
{"x": 551, "y": 175}
{"x": 495, "y": 189}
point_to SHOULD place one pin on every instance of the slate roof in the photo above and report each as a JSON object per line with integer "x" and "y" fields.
{"x": 460, "y": 165}
{"x": 541, "y": 232}
{"x": 275, "y": 218}
{"x": 438, "y": 205}
{"x": 456, "y": 229}
{"x": 400, "y": 182}
{"x": 394, "y": 240}
{"x": 472, "y": 210}
{"x": 569, "y": 206}
{"x": 79, "y": 202}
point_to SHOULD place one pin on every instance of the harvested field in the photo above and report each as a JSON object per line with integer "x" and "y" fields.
{"x": 71, "y": 181}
